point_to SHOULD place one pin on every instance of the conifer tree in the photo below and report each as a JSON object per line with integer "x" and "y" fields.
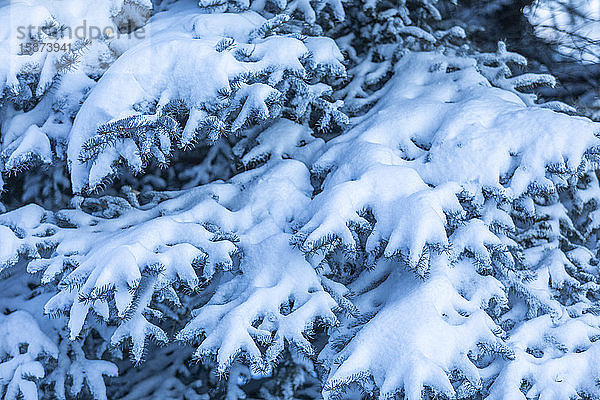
{"x": 361, "y": 204}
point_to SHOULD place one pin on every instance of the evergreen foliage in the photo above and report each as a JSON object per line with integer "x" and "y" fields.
{"x": 362, "y": 204}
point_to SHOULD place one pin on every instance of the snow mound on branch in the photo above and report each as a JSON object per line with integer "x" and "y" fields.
{"x": 555, "y": 360}
{"x": 477, "y": 138}
{"x": 22, "y": 345}
{"x": 457, "y": 128}
{"x": 48, "y": 21}
{"x": 421, "y": 332}
{"x": 52, "y": 52}
{"x": 409, "y": 215}
{"x": 193, "y": 239}
{"x": 241, "y": 321}
{"x": 394, "y": 196}
{"x": 391, "y": 184}
{"x": 217, "y": 81}
{"x": 17, "y": 234}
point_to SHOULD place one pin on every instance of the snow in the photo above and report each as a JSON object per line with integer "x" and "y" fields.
{"x": 565, "y": 364}
{"x": 474, "y": 134}
{"x": 21, "y": 344}
{"x": 419, "y": 333}
{"x": 280, "y": 140}
{"x": 158, "y": 247}
{"x": 157, "y": 69}
{"x": 228, "y": 320}
{"x": 427, "y": 149}
{"x": 445, "y": 243}
{"x": 48, "y": 75}
{"x": 408, "y": 178}
{"x": 397, "y": 197}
